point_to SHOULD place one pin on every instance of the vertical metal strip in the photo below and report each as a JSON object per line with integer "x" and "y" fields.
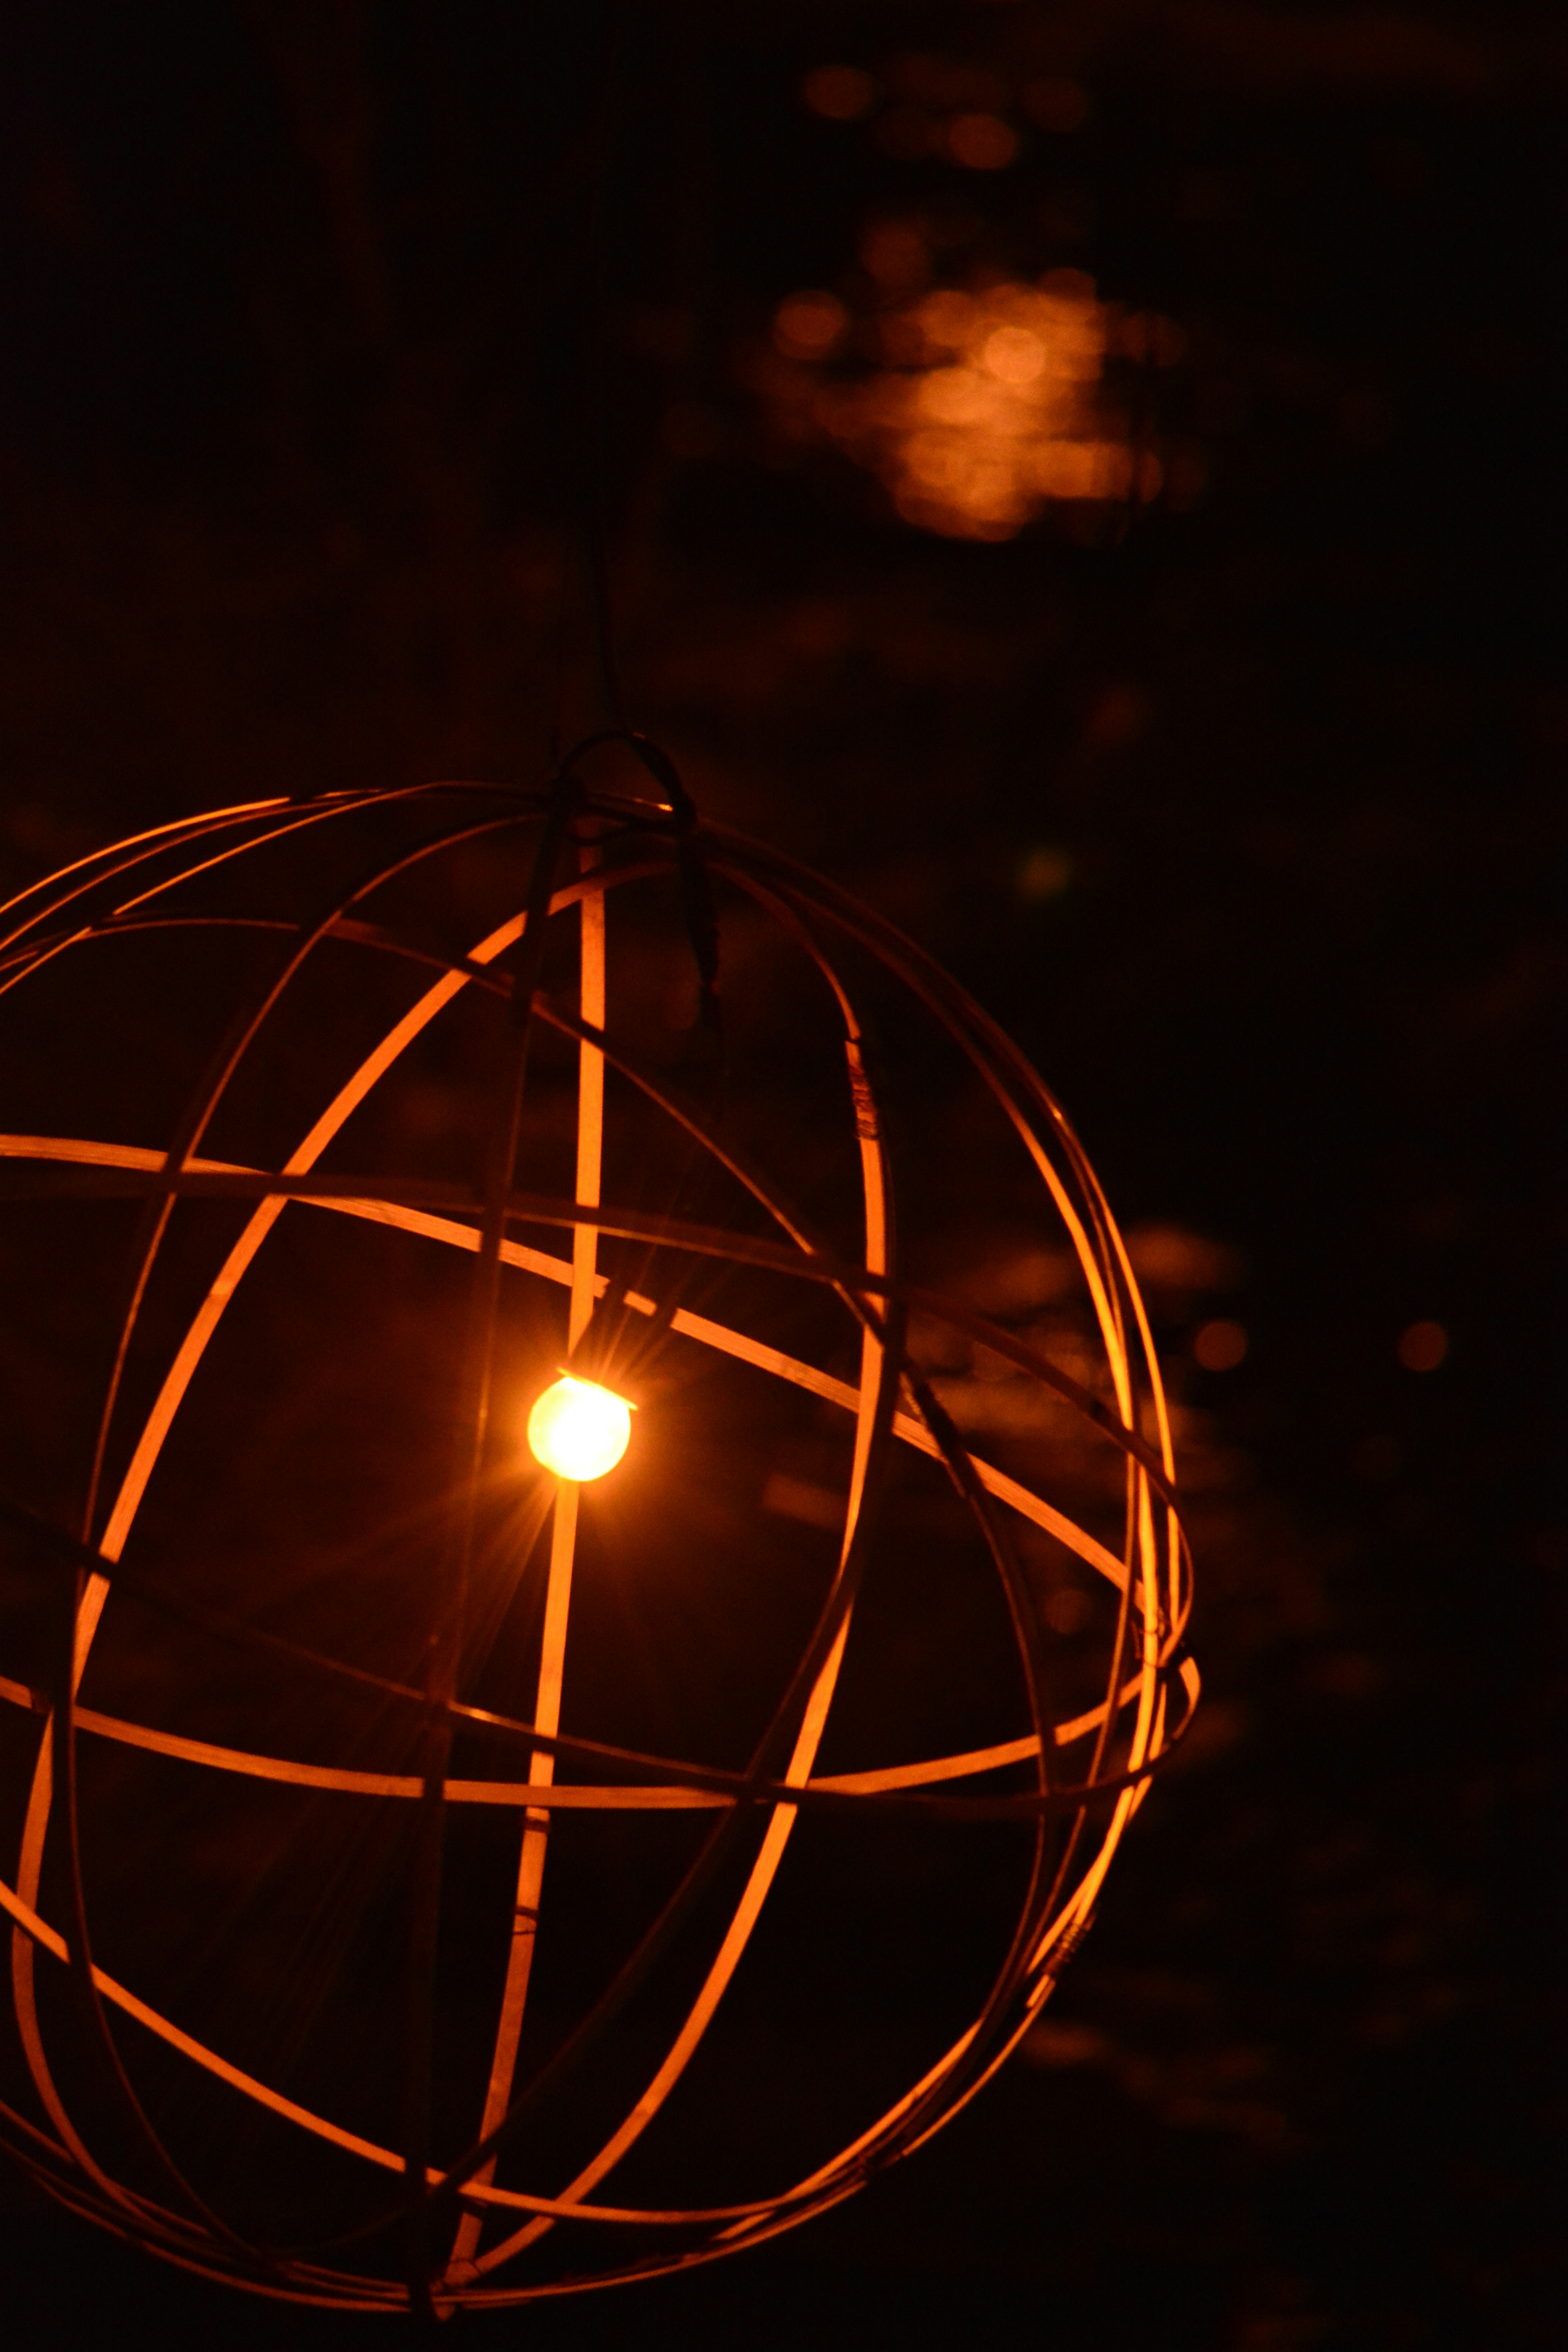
{"x": 562, "y": 1554}
{"x": 873, "y": 1376}
{"x": 476, "y": 1393}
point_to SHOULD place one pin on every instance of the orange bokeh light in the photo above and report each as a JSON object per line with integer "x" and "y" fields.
{"x": 1422, "y": 1347}
{"x": 983, "y": 143}
{"x": 808, "y": 326}
{"x": 840, "y": 93}
{"x": 1219, "y": 1347}
{"x": 991, "y": 404}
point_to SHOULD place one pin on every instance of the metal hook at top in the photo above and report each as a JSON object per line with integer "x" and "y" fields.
{"x": 696, "y": 897}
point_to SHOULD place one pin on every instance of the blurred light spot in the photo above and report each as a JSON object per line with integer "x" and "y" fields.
{"x": 818, "y": 626}
{"x": 1022, "y": 1279}
{"x": 808, "y": 326}
{"x": 424, "y": 1108}
{"x": 1069, "y": 285}
{"x": 1014, "y": 355}
{"x": 1422, "y": 1347}
{"x": 1053, "y": 2044}
{"x": 1221, "y": 1724}
{"x": 840, "y": 93}
{"x": 1172, "y": 1259}
{"x": 957, "y": 396}
{"x": 1099, "y": 472}
{"x": 1377, "y": 1459}
{"x": 1056, "y": 103}
{"x": 983, "y": 143}
{"x": 1008, "y": 1408}
{"x": 1003, "y": 417}
{"x": 1044, "y": 873}
{"x": 983, "y": 405}
{"x": 1220, "y": 1347}
{"x": 797, "y": 1498}
{"x": 1068, "y": 1611}
{"x": 895, "y": 254}
{"x": 1119, "y": 716}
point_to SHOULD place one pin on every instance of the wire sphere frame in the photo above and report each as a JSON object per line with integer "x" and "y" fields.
{"x": 447, "y": 2209}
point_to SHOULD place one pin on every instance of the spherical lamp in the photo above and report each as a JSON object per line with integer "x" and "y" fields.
{"x": 453, "y": 1853}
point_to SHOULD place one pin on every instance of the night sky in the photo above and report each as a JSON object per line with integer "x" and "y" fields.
{"x": 1240, "y": 801}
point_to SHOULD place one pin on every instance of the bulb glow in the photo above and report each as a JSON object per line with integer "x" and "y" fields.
{"x": 578, "y": 1429}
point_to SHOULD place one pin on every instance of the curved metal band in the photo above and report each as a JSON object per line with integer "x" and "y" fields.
{"x": 1152, "y": 1575}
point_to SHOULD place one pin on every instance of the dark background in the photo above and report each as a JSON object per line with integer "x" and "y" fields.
{"x": 293, "y": 439}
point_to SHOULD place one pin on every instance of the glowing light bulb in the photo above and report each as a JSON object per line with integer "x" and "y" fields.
{"x": 578, "y": 1429}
